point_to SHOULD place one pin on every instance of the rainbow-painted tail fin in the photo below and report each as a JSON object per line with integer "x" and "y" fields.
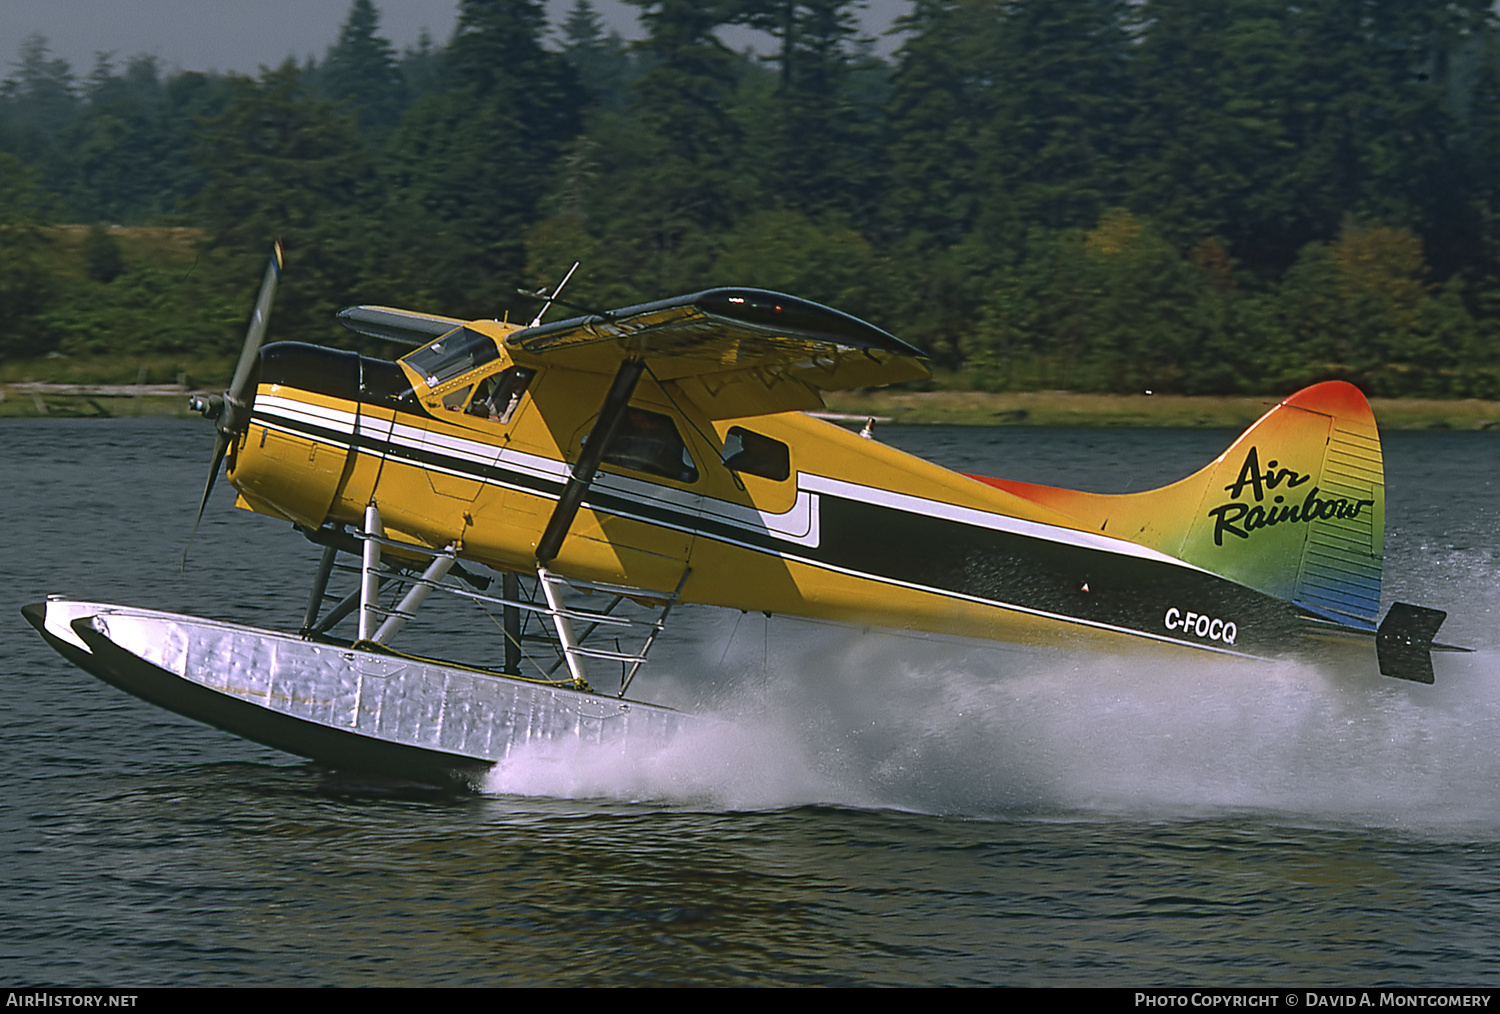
{"x": 1294, "y": 508}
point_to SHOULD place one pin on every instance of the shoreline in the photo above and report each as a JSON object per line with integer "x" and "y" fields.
{"x": 947, "y": 408}
{"x": 1134, "y": 411}
{"x": 97, "y": 401}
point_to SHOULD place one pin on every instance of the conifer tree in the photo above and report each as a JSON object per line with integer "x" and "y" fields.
{"x": 1481, "y": 149}
{"x": 279, "y": 162}
{"x": 130, "y": 164}
{"x": 673, "y": 180}
{"x": 37, "y": 104}
{"x": 1052, "y": 152}
{"x": 942, "y": 98}
{"x": 819, "y": 157}
{"x": 939, "y": 101}
{"x": 361, "y": 68}
{"x": 683, "y": 94}
{"x": 470, "y": 165}
{"x": 598, "y": 59}
{"x": 44, "y": 89}
{"x": 1212, "y": 133}
{"x": 26, "y": 286}
{"x": 421, "y": 68}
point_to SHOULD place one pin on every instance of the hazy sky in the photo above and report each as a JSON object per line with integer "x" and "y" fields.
{"x": 242, "y": 35}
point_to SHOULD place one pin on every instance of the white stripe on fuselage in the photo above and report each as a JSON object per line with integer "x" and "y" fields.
{"x": 799, "y": 525}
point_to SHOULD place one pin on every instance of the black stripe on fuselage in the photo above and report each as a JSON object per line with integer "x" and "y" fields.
{"x": 1157, "y": 598}
{"x": 1052, "y": 577}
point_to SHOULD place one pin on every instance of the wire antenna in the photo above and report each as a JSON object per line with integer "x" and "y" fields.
{"x": 555, "y": 292}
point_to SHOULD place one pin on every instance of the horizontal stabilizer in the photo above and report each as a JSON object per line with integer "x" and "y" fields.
{"x": 1404, "y": 641}
{"x": 402, "y": 326}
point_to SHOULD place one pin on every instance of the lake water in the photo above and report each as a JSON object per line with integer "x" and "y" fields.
{"x": 862, "y": 809}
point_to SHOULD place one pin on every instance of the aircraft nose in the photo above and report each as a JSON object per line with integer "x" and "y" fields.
{"x": 331, "y": 372}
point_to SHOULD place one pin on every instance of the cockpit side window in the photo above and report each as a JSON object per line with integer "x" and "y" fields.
{"x": 649, "y": 442}
{"x": 455, "y": 353}
{"x": 454, "y": 400}
{"x": 755, "y": 454}
{"x": 500, "y": 395}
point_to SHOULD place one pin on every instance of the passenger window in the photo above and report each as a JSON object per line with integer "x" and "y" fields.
{"x": 748, "y": 451}
{"x": 499, "y": 396}
{"x": 649, "y": 442}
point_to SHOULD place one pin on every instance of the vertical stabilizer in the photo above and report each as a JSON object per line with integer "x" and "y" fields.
{"x": 1294, "y": 508}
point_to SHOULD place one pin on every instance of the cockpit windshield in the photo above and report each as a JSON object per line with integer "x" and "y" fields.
{"x": 455, "y": 353}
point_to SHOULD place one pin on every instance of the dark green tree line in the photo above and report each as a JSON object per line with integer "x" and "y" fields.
{"x": 1173, "y": 195}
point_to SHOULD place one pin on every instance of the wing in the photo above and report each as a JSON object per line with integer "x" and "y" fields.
{"x": 734, "y": 352}
{"x": 403, "y": 326}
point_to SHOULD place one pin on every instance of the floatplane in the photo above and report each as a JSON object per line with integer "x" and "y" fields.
{"x": 662, "y": 454}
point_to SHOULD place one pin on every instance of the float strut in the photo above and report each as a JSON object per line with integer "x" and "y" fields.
{"x": 320, "y": 586}
{"x": 510, "y": 585}
{"x": 369, "y": 579}
{"x": 346, "y": 605}
{"x": 435, "y": 572}
{"x": 564, "y": 626}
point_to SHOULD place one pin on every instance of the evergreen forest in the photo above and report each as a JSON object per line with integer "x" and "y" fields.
{"x": 1186, "y": 196}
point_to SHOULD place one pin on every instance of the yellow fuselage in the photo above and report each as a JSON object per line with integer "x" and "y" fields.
{"x": 855, "y": 532}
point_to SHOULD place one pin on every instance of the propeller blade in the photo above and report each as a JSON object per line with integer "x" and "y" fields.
{"x": 220, "y": 446}
{"x": 236, "y": 409}
{"x": 234, "y": 413}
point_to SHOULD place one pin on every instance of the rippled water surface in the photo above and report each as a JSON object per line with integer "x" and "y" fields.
{"x": 856, "y": 808}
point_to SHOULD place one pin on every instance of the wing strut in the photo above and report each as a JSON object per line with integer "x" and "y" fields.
{"x": 599, "y": 439}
